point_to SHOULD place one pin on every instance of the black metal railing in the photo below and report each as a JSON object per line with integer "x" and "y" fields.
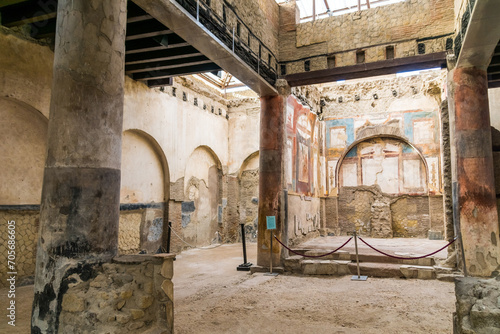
{"x": 203, "y": 13}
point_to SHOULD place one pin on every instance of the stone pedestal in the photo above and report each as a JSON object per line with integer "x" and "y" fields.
{"x": 80, "y": 197}
{"x": 474, "y": 172}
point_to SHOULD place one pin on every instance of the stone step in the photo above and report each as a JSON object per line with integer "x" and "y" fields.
{"x": 421, "y": 272}
{"x": 338, "y": 255}
{"x": 325, "y": 267}
{"x": 380, "y": 258}
{"x": 293, "y": 264}
{"x": 375, "y": 258}
{"x": 376, "y": 269}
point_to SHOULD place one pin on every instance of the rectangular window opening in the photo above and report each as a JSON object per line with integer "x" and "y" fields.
{"x": 360, "y": 57}
{"x": 389, "y": 52}
{"x": 331, "y": 61}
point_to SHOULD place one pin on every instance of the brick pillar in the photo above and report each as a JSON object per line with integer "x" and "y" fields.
{"x": 272, "y": 116}
{"x": 474, "y": 172}
{"x": 80, "y": 198}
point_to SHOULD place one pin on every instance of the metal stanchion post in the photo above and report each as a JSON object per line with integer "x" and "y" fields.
{"x": 246, "y": 265}
{"x": 169, "y": 234}
{"x": 270, "y": 273}
{"x": 271, "y": 226}
{"x": 358, "y": 277}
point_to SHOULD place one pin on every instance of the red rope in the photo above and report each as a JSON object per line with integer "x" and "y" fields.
{"x": 407, "y": 258}
{"x": 345, "y": 243}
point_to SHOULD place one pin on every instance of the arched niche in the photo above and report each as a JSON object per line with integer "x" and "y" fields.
{"x": 248, "y": 178}
{"x": 406, "y": 165}
{"x": 24, "y": 149}
{"x": 383, "y": 183}
{"x": 144, "y": 193}
{"x": 202, "y": 206}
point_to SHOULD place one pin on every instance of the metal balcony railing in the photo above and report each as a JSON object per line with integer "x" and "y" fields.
{"x": 203, "y": 13}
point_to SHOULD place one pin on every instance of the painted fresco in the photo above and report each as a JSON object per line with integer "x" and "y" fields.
{"x": 303, "y": 164}
{"x": 394, "y": 165}
{"x": 303, "y": 161}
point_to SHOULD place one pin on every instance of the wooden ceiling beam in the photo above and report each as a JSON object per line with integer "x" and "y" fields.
{"x": 28, "y": 12}
{"x": 383, "y": 67}
{"x": 165, "y": 65}
{"x": 180, "y": 71}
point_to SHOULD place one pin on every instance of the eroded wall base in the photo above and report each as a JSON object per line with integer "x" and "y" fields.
{"x": 478, "y": 306}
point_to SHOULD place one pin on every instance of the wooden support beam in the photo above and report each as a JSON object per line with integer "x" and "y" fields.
{"x": 180, "y": 71}
{"x": 6, "y": 3}
{"x": 314, "y": 9}
{"x": 368, "y": 4}
{"x": 165, "y": 65}
{"x": 161, "y": 55}
{"x": 28, "y": 12}
{"x": 383, "y": 67}
{"x": 145, "y": 29}
{"x": 48, "y": 29}
{"x": 144, "y": 45}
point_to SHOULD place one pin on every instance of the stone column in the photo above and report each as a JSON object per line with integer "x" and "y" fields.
{"x": 80, "y": 198}
{"x": 272, "y": 134}
{"x": 474, "y": 171}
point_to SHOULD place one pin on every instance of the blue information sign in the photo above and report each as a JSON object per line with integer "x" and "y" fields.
{"x": 271, "y": 222}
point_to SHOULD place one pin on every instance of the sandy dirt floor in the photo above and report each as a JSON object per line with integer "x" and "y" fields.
{"x": 212, "y": 297}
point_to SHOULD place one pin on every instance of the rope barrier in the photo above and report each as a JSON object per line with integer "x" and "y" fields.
{"x": 313, "y": 256}
{"x": 407, "y": 258}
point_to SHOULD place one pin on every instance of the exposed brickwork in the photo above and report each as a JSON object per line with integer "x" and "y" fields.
{"x": 401, "y": 25}
{"x": 411, "y": 217}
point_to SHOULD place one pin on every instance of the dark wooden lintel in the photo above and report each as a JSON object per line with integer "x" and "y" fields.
{"x": 384, "y": 67}
{"x": 160, "y": 82}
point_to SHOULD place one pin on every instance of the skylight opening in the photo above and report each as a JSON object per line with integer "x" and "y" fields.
{"x": 417, "y": 72}
{"x": 318, "y": 9}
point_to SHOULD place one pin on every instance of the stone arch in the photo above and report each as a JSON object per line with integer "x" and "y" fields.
{"x": 22, "y": 162}
{"x": 202, "y": 206}
{"x": 248, "y": 163}
{"x": 248, "y": 205}
{"x": 24, "y": 152}
{"x": 144, "y": 193}
{"x": 369, "y": 136}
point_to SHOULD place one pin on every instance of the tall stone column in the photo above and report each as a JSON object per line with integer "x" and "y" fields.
{"x": 272, "y": 134}
{"x": 80, "y": 197}
{"x": 474, "y": 172}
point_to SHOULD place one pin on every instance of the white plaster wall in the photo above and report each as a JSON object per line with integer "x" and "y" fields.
{"x": 198, "y": 166}
{"x": 244, "y": 133}
{"x": 494, "y": 100}
{"x": 23, "y": 150}
{"x": 178, "y": 126}
{"x": 26, "y": 71}
{"x": 142, "y": 178}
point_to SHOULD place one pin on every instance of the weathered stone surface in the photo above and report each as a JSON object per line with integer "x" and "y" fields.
{"x": 293, "y": 263}
{"x": 73, "y": 303}
{"x": 136, "y": 313}
{"x": 478, "y": 306}
{"x": 126, "y": 306}
{"x": 168, "y": 287}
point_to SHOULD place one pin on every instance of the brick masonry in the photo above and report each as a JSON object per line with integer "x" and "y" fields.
{"x": 402, "y": 25}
